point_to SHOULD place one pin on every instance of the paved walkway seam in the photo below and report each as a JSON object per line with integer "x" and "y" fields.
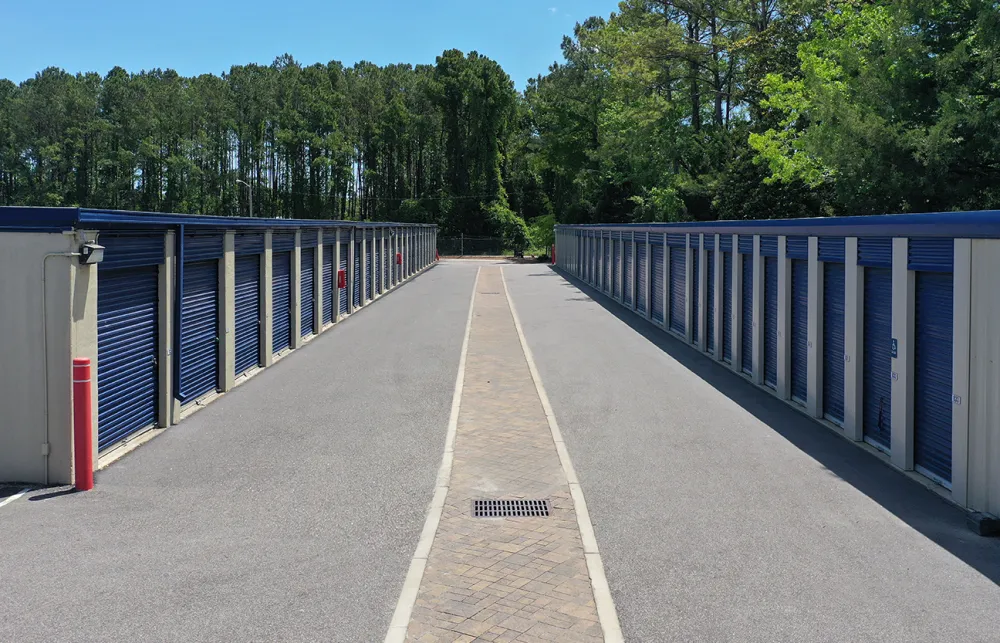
{"x": 408, "y": 596}
{"x": 606, "y": 611}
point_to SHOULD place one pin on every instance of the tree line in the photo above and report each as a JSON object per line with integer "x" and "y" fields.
{"x": 665, "y": 110}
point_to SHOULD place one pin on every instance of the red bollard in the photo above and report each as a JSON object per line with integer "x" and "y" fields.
{"x": 83, "y": 435}
{"x": 553, "y": 254}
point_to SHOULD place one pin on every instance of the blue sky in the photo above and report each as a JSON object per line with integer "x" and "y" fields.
{"x": 208, "y": 36}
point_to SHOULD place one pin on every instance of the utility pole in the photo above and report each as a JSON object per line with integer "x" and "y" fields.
{"x": 250, "y": 189}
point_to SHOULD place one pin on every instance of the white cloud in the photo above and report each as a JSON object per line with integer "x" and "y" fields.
{"x": 552, "y": 9}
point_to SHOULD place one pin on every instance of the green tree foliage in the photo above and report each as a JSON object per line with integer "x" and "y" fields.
{"x": 429, "y": 143}
{"x": 746, "y": 109}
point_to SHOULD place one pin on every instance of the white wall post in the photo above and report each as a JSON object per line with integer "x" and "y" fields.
{"x": 814, "y": 345}
{"x": 758, "y": 312}
{"x": 784, "y": 336}
{"x": 719, "y": 303}
{"x": 961, "y": 360}
{"x": 854, "y": 341}
{"x": 737, "y": 322}
{"x": 689, "y": 283}
{"x": 296, "y": 320}
{"x": 702, "y": 285}
{"x": 903, "y": 318}
{"x": 227, "y": 314}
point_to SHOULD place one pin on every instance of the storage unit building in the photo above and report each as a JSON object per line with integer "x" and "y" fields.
{"x": 883, "y": 328}
{"x": 175, "y": 310}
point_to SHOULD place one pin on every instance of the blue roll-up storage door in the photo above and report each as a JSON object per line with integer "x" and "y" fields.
{"x": 281, "y": 301}
{"x": 833, "y": 342}
{"x": 387, "y": 266}
{"x": 746, "y": 315}
{"x": 342, "y": 304}
{"x": 199, "y": 361}
{"x": 127, "y": 345}
{"x": 710, "y": 299}
{"x": 656, "y": 285}
{"x": 247, "y": 312}
{"x": 771, "y": 321}
{"x": 368, "y": 268}
{"x": 357, "y": 274}
{"x": 616, "y": 256}
{"x": 695, "y": 293}
{"x": 307, "y": 291}
{"x": 800, "y": 329}
{"x": 934, "y": 310}
{"x": 329, "y": 290}
{"x": 629, "y": 273}
{"x": 727, "y": 306}
{"x": 641, "y": 281}
{"x": 877, "y": 386}
{"x": 678, "y": 269}
{"x": 378, "y": 267}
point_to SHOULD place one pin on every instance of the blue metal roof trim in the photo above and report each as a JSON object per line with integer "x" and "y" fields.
{"x": 58, "y": 219}
{"x": 977, "y": 224}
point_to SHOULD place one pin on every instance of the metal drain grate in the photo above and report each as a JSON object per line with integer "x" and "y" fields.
{"x": 510, "y": 508}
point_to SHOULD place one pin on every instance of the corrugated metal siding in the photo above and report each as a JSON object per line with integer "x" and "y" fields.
{"x": 831, "y": 249}
{"x": 710, "y": 303}
{"x": 800, "y": 328}
{"x": 342, "y": 304}
{"x": 127, "y": 345}
{"x": 249, "y": 243}
{"x": 677, "y": 240}
{"x": 769, "y": 246}
{"x": 746, "y": 314}
{"x": 247, "y": 312}
{"x": 875, "y": 252}
{"x": 932, "y": 402}
{"x": 833, "y": 342}
{"x": 642, "y": 263}
{"x": 281, "y": 301}
{"x": 726, "y": 242}
{"x": 199, "y": 363}
{"x": 797, "y": 247}
{"x": 746, "y": 244}
{"x": 770, "y": 321}
{"x": 387, "y": 266}
{"x": 656, "y": 287}
{"x": 379, "y": 288}
{"x": 202, "y": 247}
{"x": 329, "y": 284}
{"x": 282, "y": 241}
{"x": 931, "y": 255}
{"x": 307, "y": 291}
{"x": 677, "y": 284}
{"x": 309, "y": 238}
{"x": 877, "y": 386}
{"x": 629, "y": 273}
{"x": 727, "y": 306}
{"x": 130, "y": 250}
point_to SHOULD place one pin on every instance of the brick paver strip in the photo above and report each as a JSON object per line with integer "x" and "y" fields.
{"x": 507, "y": 579}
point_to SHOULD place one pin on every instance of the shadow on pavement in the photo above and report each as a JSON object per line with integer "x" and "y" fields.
{"x": 917, "y": 506}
